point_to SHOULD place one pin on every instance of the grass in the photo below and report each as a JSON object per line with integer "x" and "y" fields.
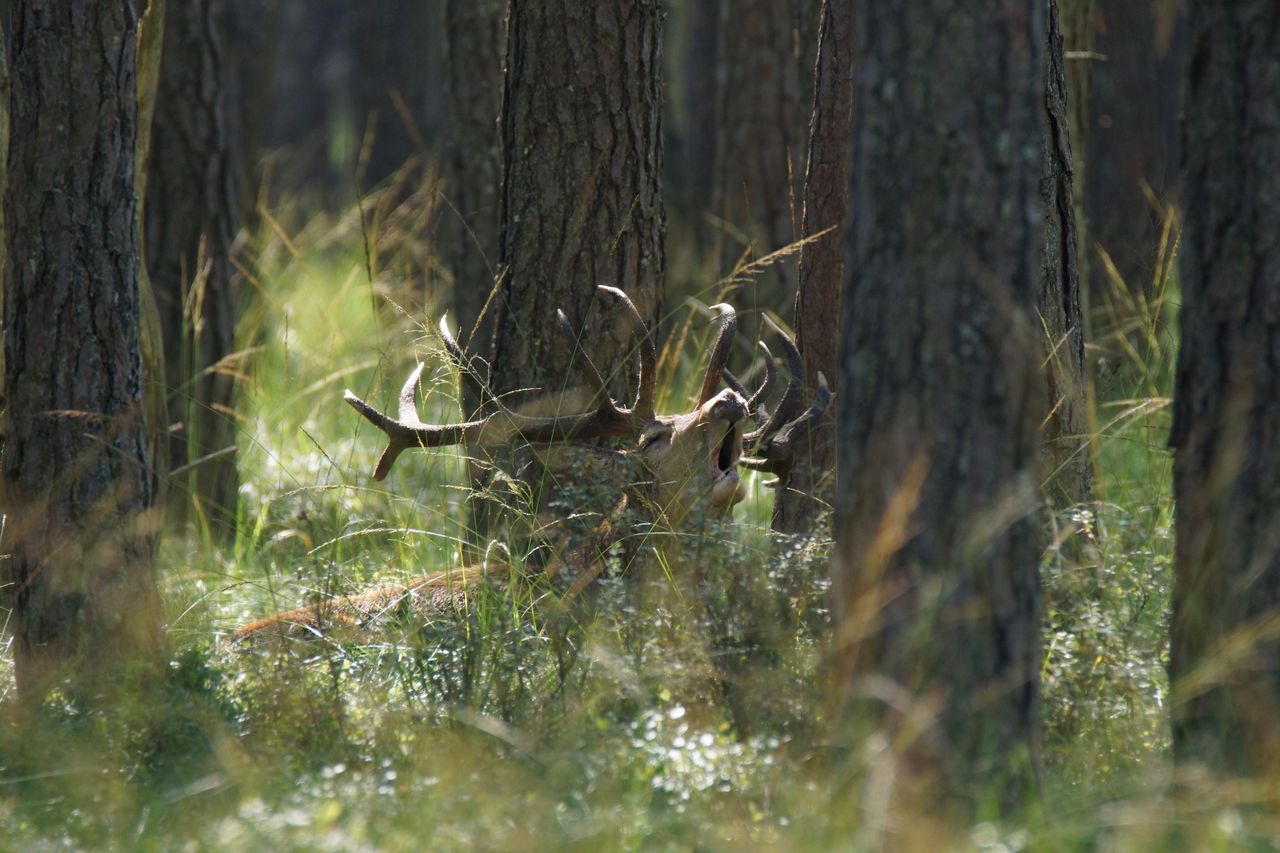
{"x": 675, "y": 714}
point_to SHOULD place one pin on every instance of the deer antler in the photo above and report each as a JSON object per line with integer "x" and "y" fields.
{"x": 755, "y": 401}
{"x": 772, "y": 446}
{"x": 608, "y": 419}
{"x": 719, "y": 351}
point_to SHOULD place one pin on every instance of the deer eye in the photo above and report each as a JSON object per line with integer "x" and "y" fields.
{"x": 652, "y": 437}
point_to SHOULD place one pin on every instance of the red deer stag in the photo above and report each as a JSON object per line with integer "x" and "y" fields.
{"x": 677, "y": 469}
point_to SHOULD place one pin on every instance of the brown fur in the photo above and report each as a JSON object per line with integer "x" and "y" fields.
{"x": 430, "y": 596}
{"x": 354, "y": 616}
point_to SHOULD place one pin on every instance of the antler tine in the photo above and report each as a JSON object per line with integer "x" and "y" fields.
{"x": 734, "y": 383}
{"x": 472, "y": 384}
{"x": 792, "y": 397}
{"x": 779, "y": 448}
{"x": 719, "y": 351}
{"x": 770, "y": 374}
{"x": 408, "y": 431}
{"x": 757, "y": 399}
{"x": 409, "y": 395}
{"x": 581, "y": 359}
{"x": 642, "y": 410}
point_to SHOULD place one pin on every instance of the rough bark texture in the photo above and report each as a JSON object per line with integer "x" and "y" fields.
{"x": 1133, "y": 143}
{"x": 196, "y": 198}
{"x": 936, "y": 573}
{"x": 468, "y": 232}
{"x": 76, "y": 485}
{"x": 581, "y": 190}
{"x": 1079, "y": 27}
{"x": 761, "y": 138}
{"x": 1225, "y": 661}
{"x": 1067, "y": 467}
{"x": 808, "y": 490}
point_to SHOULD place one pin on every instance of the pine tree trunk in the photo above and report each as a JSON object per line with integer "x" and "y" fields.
{"x": 809, "y": 487}
{"x": 582, "y": 197}
{"x": 1066, "y": 428}
{"x": 155, "y": 384}
{"x": 1079, "y": 27}
{"x": 936, "y": 578}
{"x": 468, "y": 232}
{"x": 1225, "y": 657}
{"x": 196, "y": 199}
{"x": 77, "y": 490}
{"x": 760, "y": 147}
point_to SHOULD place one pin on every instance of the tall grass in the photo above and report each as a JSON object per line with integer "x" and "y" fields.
{"x": 685, "y": 708}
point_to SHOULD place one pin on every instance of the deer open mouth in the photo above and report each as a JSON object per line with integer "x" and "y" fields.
{"x": 725, "y": 483}
{"x": 726, "y": 459}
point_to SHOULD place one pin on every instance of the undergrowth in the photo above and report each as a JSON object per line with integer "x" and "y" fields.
{"x": 682, "y": 709}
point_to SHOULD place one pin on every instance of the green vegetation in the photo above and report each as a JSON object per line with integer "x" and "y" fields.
{"x": 685, "y": 708}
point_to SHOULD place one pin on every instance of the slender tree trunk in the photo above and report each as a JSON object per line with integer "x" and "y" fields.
{"x": 76, "y": 483}
{"x": 809, "y": 487}
{"x": 581, "y": 188}
{"x": 760, "y": 146}
{"x": 936, "y": 573}
{"x": 1066, "y": 428}
{"x": 196, "y": 201}
{"x": 1225, "y": 661}
{"x": 1079, "y": 28}
{"x": 468, "y": 232}
{"x": 155, "y": 385}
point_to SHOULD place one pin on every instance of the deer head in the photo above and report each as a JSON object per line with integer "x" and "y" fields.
{"x": 693, "y": 458}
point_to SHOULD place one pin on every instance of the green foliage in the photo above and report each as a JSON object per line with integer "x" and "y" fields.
{"x": 681, "y": 705}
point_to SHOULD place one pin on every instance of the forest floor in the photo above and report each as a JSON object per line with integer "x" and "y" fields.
{"x": 497, "y": 729}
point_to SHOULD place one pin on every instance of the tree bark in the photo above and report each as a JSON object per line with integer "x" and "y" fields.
{"x": 1066, "y": 427}
{"x": 1225, "y": 656}
{"x": 155, "y": 385}
{"x": 197, "y": 198}
{"x": 582, "y": 197}
{"x": 1079, "y": 20}
{"x": 468, "y": 232}
{"x": 935, "y": 577}
{"x": 76, "y": 482}
{"x": 761, "y": 142}
{"x": 809, "y": 487}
